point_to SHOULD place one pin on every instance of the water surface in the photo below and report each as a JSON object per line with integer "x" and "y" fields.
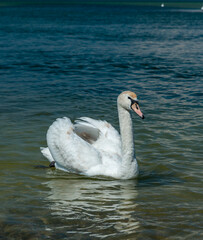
{"x": 73, "y": 61}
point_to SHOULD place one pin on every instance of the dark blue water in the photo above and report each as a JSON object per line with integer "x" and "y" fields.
{"x": 73, "y": 61}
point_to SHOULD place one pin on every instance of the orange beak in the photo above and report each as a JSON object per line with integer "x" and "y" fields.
{"x": 135, "y": 107}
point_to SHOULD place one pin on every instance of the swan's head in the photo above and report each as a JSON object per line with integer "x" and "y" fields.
{"x": 128, "y": 100}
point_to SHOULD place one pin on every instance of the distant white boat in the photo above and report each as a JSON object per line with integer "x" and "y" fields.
{"x": 162, "y": 5}
{"x": 202, "y": 8}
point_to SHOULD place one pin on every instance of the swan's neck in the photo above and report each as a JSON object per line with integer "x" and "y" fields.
{"x": 126, "y": 131}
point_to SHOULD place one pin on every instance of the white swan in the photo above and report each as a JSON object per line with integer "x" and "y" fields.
{"x": 94, "y": 147}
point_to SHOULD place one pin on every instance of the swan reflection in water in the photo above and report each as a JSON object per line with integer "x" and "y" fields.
{"x": 94, "y": 207}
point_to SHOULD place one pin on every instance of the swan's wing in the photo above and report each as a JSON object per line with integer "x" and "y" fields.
{"x": 104, "y": 136}
{"x": 70, "y": 151}
{"x": 86, "y": 131}
{"x": 101, "y": 127}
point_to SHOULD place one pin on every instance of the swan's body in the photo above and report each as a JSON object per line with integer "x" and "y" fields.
{"x": 94, "y": 147}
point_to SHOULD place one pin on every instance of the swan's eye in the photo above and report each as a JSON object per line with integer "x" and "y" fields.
{"x": 133, "y": 101}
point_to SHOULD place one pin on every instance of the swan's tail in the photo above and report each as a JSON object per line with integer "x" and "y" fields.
{"x": 46, "y": 153}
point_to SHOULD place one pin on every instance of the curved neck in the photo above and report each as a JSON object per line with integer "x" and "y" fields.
{"x": 126, "y": 131}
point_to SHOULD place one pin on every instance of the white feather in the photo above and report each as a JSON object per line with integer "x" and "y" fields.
{"x": 46, "y": 153}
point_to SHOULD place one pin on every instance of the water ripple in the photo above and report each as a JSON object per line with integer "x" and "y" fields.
{"x": 73, "y": 61}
